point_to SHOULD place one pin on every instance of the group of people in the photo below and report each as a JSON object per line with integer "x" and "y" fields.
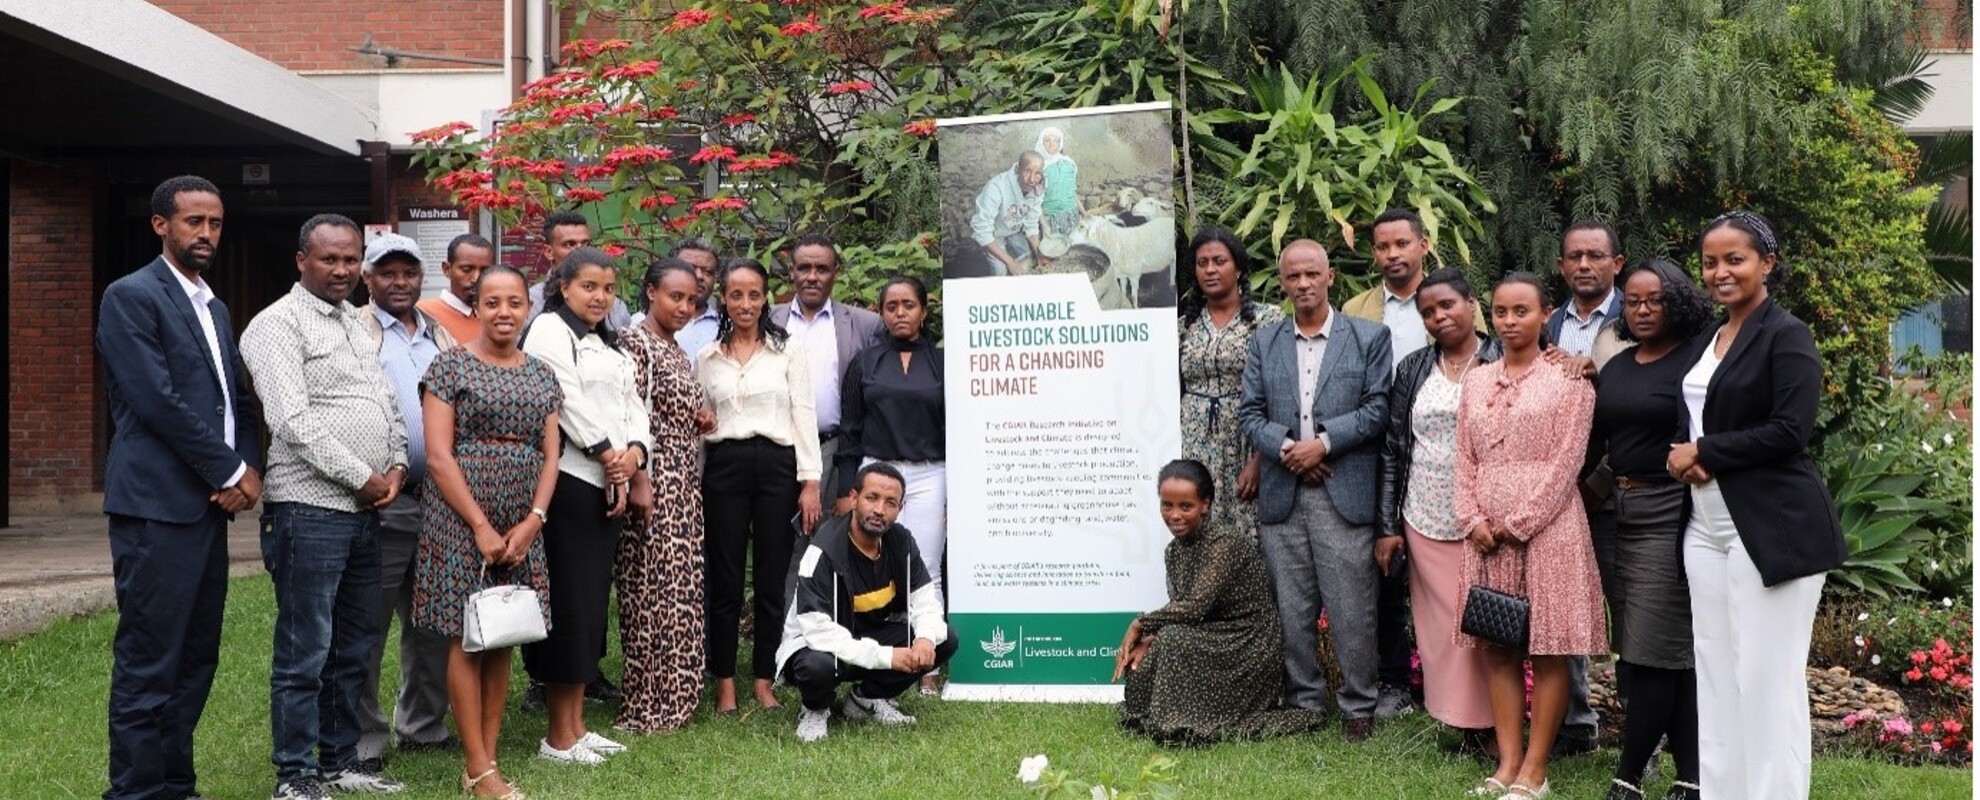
{"x": 503, "y": 434}
{"x": 1631, "y": 465}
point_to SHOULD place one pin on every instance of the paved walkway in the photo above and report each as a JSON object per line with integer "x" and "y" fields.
{"x": 58, "y": 567}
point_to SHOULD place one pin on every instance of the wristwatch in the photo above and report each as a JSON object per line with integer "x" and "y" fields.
{"x": 541, "y": 514}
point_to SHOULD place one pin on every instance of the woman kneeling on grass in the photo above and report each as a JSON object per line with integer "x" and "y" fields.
{"x": 1209, "y": 666}
{"x": 491, "y": 455}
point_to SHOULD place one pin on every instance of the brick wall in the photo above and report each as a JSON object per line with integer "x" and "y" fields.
{"x": 1945, "y": 24}
{"x": 313, "y": 34}
{"x": 52, "y": 380}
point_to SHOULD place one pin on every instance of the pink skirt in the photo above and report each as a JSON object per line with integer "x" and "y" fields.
{"x": 1454, "y": 686}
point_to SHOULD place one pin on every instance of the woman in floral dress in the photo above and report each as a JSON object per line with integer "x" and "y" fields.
{"x": 659, "y": 566}
{"x": 491, "y": 458}
{"x": 1218, "y": 320}
{"x": 1522, "y": 436}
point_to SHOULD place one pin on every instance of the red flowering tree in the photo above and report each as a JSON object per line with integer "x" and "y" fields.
{"x": 742, "y": 122}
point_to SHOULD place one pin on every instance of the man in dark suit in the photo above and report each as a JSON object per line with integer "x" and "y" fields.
{"x": 184, "y": 458}
{"x": 832, "y": 333}
{"x": 1315, "y": 401}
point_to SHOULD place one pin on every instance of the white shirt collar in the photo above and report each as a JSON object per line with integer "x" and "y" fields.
{"x": 1392, "y": 297}
{"x": 824, "y": 311}
{"x": 1600, "y": 308}
{"x": 194, "y": 288}
{"x": 455, "y": 303}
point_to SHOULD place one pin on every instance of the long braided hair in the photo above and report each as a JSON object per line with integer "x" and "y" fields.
{"x": 767, "y": 331}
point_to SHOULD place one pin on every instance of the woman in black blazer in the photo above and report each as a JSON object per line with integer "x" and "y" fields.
{"x": 1763, "y": 531}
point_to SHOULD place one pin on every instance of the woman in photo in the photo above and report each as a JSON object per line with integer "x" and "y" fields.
{"x": 659, "y": 566}
{"x": 1061, "y": 205}
{"x": 1522, "y": 437}
{"x": 1763, "y": 532}
{"x": 491, "y": 467}
{"x": 1218, "y": 318}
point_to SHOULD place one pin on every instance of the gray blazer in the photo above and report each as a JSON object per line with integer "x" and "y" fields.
{"x": 856, "y": 328}
{"x": 1351, "y": 404}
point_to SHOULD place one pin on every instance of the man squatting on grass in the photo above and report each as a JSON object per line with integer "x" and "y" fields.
{"x": 862, "y": 611}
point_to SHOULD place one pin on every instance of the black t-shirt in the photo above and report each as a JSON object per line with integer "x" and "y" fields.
{"x": 1637, "y": 412}
{"x": 877, "y": 598}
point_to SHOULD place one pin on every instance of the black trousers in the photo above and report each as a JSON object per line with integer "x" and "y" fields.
{"x": 817, "y": 675}
{"x": 171, "y": 584}
{"x": 579, "y": 543}
{"x": 749, "y": 493}
{"x": 1392, "y": 640}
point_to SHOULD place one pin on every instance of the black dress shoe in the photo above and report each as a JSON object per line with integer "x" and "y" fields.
{"x": 1357, "y": 730}
{"x": 413, "y": 746}
{"x": 601, "y": 690}
{"x": 532, "y": 701}
{"x": 1573, "y": 741}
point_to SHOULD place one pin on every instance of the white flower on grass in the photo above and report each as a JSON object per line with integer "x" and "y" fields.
{"x": 1946, "y": 602}
{"x": 1863, "y": 616}
{"x": 1934, "y": 566}
{"x": 1948, "y": 440}
{"x": 1925, "y": 446}
{"x": 1101, "y": 792}
{"x": 1890, "y": 622}
{"x": 1877, "y": 448}
{"x": 1859, "y": 641}
{"x": 1031, "y": 767}
{"x": 1875, "y": 660}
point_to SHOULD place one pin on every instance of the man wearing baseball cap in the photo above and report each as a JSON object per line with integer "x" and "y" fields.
{"x": 405, "y": 339}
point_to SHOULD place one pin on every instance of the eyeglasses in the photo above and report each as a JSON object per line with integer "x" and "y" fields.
{"x": 1654, "y": 302}
{"x": 1585, "y": 255}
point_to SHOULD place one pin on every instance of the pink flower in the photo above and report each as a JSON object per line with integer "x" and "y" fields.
{"x": 849, "y": 87}
{"x": 613, "y": 250}
{"x": 1898, "y": 725}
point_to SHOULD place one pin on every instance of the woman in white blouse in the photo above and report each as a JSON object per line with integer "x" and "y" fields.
{"x": 605, "y": 436}
{"x": 761, "y": 480}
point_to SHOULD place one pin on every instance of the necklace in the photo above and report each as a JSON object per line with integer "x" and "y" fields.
{"x": 1460, "y": 368}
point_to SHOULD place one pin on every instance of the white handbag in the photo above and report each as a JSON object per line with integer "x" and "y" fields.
{"x": 502, "y": 616}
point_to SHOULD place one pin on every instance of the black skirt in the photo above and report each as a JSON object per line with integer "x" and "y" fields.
{"x": 579, "y": 543}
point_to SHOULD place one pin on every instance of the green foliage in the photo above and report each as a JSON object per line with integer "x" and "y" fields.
{"x": 1307, "y": 173}
{"x": 1897, "y": 627}
{"x": 1099, "y": 52}
{"x": 1900, "y": 475}
{"x": 1155, "y": 781}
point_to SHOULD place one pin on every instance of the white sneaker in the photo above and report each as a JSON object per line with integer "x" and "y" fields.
{"x": 811, "y": 724}
{"x": 600, "y": 745}
{"x": 578, "y": 754}
{"x": 354, "y": 779}
{"x": 881, "y": 711}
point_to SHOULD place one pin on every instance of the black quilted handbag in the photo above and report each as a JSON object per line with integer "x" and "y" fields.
{"x": 1496, "y": 617}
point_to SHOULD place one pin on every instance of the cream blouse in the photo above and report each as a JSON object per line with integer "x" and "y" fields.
{"x": 769, "y": 396}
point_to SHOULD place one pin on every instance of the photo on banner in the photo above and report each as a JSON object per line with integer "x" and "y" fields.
{"x": 1059, "y": 293}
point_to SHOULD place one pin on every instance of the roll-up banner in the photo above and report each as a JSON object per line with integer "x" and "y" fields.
{"x": 1062, "y": 388}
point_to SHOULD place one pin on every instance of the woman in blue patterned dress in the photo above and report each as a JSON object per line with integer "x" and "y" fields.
{"x": 491, "y": 454}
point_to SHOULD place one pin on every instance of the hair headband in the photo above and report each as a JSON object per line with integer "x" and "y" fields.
{"x": 1755, "y": 225}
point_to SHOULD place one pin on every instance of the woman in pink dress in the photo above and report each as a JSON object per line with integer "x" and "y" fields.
{"x": 1522, "y": 436}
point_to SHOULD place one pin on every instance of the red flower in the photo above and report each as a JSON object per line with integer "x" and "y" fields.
{"x": 638, "y": 69}
{"x": 581, "y": 49}
{"x": 882, "y": 9}
{"x": 1939, "y": 673}
{"x": 585, "y": 110}
{"x": 545, "y": 169}
{"x": 687, "y": 86}
{"x": 1952, "y": 726}
{"x": 663, "y": 112}
{"x": 637, "y": 154}
{"x": 849, "y": 87}
{"x": 438, "y": 134}
{"x": 1918, "y": 657}
{"x": 554, "y": 79}
{"x": 583, "y": 194}
{"x": 463, "y": 178}
{"x": 803, "y": 27}
{"x": 691, "y": 18}
{"x": 713, "y": 152}
{"x": 922, "y": 127}
{"x": 593, "y": 172}
{"x": 923, "y": 17}
{"x": 739, "y": 118}
{"x": 720, "y": 204}
{"x": 613, "y": 250}
{"x": 1913, "y": 675}
{"x": 654, "y": 201}
{"x": 681, "y": 223}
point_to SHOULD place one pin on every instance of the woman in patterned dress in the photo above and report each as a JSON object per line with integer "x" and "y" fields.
{"x": 1522, "y": 436}
{"x": 1218, "y": 320}
{"x": 1418, "y": 498}
{"x": 491, "y": 458}
{"x": 1209, "y": 666}
{"x": 659, "y": 563}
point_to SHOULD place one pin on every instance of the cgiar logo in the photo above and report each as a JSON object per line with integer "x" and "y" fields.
{"x": 998, "y": 646}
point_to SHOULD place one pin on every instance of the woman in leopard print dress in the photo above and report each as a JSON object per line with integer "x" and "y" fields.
{"x": 660, "y": 562}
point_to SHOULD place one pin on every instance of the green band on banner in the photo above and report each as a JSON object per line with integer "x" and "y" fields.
{"x": 1055, "y": 649}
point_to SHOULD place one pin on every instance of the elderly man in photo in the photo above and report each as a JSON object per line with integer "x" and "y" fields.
{"x": 1009, "y": 214}
{"x": 1315, "y": 401}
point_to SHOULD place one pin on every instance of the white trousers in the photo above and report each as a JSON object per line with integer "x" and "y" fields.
{"x": 1751, "y": 646}
{"x": 925, "y": 511}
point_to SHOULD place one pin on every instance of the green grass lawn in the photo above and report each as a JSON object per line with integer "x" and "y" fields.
{"x": 53, "y": 685}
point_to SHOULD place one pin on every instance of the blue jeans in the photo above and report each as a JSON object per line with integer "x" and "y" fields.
{"x": 326, "y": 569}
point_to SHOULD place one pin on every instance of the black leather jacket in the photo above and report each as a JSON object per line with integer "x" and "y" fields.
{"x": 1399, "y": 446}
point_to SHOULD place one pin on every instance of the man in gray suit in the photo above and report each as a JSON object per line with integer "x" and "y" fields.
{"x": 1316, "y": 389}
{"x": 831, "y": 332}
